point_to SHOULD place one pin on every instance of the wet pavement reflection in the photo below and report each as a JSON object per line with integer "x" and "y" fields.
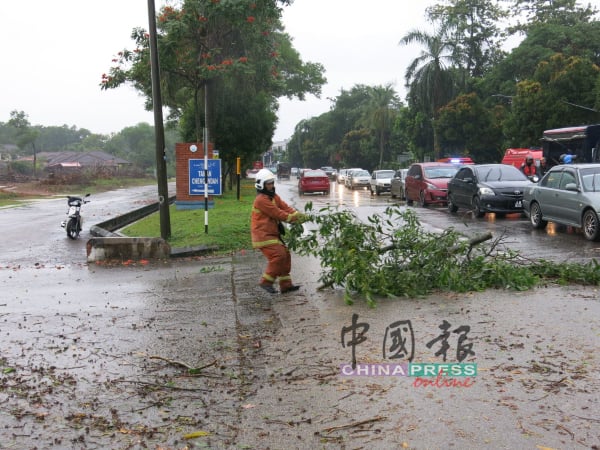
{"x": 556, "y": 242}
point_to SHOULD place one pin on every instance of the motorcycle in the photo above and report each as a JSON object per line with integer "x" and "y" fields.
{"x": 74, "y": 223}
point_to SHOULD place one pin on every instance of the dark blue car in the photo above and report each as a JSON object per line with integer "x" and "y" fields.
{"x": 482, "y": 188}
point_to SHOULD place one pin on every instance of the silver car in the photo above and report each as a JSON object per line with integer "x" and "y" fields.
{"x": 358, "y": 179}
{"x": 381, "y": 181}
{"x": 397, "y": 184}
{"x": 568, "y": 195}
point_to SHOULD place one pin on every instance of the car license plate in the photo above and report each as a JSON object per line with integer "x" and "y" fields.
{"x": 518, "y": 204}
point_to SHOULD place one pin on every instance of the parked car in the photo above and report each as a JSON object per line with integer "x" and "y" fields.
{"x": 348, "y": 173}
{"x": 397, "y": 184}
{"x": 299, "y": 173}
{"x": 568, "y": 195}
{"x": 341, "y": 176}
{"x": 482, "y": 188}
{"x": 381, "y": 181}
{"x": 358, "y": 179}
{"x": 427, "y": 183}
{"x": 312, "y": 181}
{"x": 330, "y": 171}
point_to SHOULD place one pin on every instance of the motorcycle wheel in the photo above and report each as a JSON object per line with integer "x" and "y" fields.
{"x": 72, "y": 228}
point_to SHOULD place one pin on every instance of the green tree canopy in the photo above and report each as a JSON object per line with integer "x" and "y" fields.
{"x": 466, "y": 127}
{"x": 429, "y": 78}
{"x": 210, "y": 49}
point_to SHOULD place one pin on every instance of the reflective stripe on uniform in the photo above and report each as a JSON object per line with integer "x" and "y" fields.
{"x": 268, "y": 277}
{"x": 265, "y": 243}
{"x": 284, "y": 277}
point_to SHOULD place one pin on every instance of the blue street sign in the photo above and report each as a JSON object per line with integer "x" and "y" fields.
{"x": 196, "y": 167}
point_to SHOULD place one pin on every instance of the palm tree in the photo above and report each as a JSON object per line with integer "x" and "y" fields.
{"x": 381, "y": 109}
{"x": 428, "y": 77}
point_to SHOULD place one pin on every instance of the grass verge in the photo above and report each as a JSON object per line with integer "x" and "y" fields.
{"x": 228, "y": 223}
{"x": 9, "y": 198}
{"x": 16, "y": 193}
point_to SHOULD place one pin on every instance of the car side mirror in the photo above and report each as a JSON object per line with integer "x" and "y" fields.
{"x": 571, "y": 187}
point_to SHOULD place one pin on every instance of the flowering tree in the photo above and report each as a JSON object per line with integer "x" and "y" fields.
{"x": 237, "y": 47}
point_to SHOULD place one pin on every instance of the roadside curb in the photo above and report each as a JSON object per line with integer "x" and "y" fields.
{"x": 108, "y": 243}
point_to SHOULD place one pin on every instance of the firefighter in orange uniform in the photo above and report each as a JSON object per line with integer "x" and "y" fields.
{"x": 268, "y": 213}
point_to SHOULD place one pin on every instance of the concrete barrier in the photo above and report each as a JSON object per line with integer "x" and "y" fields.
{"x": 108, "y": 227}
{"x": 124, "y": 248}
{"x": 107, "y": 243}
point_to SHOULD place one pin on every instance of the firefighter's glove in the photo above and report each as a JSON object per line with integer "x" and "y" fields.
{"x": 302, "y": 218}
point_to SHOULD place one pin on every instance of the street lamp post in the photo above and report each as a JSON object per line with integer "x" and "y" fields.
{"x": 159, "y": 131}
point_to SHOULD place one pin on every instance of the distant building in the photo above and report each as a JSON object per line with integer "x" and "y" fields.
{"x": 280, "y": 147}
{"x": 276, "y": 153}
{"x": 60, "y": 162}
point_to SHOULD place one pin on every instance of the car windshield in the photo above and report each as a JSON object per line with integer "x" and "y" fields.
{"x": 385, "y": 174}
{"x": 360, "y": 173}
{"x": 591, "y": 179}
{"x": 500, "y": 172}
{"x": 440, "y": 172}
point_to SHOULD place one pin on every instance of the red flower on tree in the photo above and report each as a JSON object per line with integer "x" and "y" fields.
{"x": 250, "y": 19}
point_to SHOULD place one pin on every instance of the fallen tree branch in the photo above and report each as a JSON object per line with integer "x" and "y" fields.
{"x": 355, "y": 424}
{"x": 472, "y": 243}
{"x": 162, "y": 386}
{"x": 192, "y": 370}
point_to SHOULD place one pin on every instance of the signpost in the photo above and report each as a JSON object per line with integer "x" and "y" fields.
{"x": 205, "y": 178}
{"x": 198, "y": 180}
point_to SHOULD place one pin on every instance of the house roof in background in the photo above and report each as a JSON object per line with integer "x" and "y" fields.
{"x": 83, "y": 159}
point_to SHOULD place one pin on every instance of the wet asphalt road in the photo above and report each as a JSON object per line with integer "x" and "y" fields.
{"x": 31, "y": 233}
{"x": 83, "y": 347}
{"x": 556, "y": 242}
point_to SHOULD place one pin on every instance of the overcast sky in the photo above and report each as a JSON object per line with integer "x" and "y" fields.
{"x": 55, "y": 52}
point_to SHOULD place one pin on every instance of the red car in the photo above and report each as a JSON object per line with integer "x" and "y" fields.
{"x": 313, "y": 181}
{"x": 427, "y": 183}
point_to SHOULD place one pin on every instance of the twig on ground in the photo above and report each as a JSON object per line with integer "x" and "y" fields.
{"x": 567, "y": 430}
{"x": 162, "y": 386}
{"x": 191, "y": 369}
{"x": 355, "y": 424}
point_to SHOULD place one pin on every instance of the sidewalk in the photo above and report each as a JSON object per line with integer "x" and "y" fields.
{"x": 104, "y": 365}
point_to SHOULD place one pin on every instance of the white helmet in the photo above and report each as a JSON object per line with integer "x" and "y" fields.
{"x": 263, "y": 176}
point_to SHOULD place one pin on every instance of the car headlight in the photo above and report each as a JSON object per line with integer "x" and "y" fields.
{"x": 432, "y": 187}
{"x": 486, "y": 191}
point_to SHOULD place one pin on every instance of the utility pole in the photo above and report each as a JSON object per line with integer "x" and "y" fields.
{"x": 159, "y": 131}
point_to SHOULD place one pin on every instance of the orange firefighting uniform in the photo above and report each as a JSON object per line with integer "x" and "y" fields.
{"x": 267, "y": 213}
